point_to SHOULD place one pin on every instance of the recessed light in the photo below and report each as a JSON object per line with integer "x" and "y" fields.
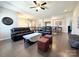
{"x": 65, "y": 10}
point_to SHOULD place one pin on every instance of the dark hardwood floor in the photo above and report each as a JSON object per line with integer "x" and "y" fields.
{"x": 59, "y": 48}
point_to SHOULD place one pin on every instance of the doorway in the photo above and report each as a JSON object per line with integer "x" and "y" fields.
{"x": 70, "y": 27}
{"x": 48, "y": 23}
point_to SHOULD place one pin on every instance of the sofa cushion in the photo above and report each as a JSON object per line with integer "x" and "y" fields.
{"x": 17, "y": 33}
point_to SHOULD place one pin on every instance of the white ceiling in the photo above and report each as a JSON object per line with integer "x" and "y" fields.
{"x": 55, "y": 8}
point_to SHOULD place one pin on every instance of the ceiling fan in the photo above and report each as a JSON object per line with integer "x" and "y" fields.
{"x": 39, "y": 5}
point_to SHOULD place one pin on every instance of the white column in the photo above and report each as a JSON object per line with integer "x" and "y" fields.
{"x": 66, "y": 21}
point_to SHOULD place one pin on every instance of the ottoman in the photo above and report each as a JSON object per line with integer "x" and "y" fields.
{"x": 43, "y": 44}
{"x": 49, "y": 37}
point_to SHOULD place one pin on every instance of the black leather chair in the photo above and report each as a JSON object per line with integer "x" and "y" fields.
{"x": 46, "y": 30}
{"x": 17, "y": 33}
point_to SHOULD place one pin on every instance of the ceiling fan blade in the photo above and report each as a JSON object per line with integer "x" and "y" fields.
{"x": 42, "y": 8}
{"x": 32, "y": 7}
{"x": 43, "y": 3}
{"x": 35, "y": 2}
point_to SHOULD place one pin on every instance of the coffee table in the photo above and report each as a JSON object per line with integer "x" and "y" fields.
{"x": 32, "y": 37}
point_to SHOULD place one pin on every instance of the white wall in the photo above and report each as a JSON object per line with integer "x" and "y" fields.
{"x": 75, "y": 30}
{"x": 5, "y": 29}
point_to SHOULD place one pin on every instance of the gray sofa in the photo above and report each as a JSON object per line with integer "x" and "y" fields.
{"x": 74, "y": 41}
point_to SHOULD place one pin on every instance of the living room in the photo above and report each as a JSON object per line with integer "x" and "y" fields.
{"x": 20, "y": 20}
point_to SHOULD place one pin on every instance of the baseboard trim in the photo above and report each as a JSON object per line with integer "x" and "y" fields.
{"x": 5, "y": 38}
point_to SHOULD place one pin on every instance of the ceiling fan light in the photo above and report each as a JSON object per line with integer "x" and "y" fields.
{"x": 38, "y": 8}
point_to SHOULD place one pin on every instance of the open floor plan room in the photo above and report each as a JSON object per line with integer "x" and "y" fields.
{"x": 39, "y": 28}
